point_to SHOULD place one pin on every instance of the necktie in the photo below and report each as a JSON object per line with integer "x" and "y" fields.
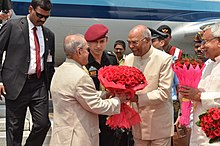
{"x": 37, "y": 47}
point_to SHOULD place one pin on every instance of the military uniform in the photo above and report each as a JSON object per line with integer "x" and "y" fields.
{"x": 94, "y": 33}
{"x": 108, "y": 58}
{"x": 107, "y": 135}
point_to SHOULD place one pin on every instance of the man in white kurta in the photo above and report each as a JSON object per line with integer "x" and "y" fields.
{"x": 208, "y": 93}
{"x": 76, "y": 102}
{"x": 154, "y": 102}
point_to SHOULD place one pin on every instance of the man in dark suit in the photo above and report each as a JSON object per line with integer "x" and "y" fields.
{"x": 26, "y": 73}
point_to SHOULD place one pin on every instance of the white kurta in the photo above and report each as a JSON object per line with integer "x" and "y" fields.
{"x": 210, "y": 84}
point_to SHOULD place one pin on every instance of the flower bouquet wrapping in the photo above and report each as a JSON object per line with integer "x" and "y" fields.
{"x": 189, "y": 72}
{"x": 127, "y": 80}
{"x": 210, "y": 124}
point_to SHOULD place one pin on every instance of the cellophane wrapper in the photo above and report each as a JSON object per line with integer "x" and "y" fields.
{"x": 188, "y": 75}
{"x": 126, "y": 80}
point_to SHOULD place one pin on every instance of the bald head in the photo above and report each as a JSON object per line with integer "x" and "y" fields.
{"x": 140, "y": 30}
{"x": 139, "y": 40}
{"x": 72, "y": 42}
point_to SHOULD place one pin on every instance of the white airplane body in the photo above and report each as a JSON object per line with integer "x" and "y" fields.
{"x": 184, "y": 17}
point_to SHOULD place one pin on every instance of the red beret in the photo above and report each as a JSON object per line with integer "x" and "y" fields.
{"x": 95, "y": 32}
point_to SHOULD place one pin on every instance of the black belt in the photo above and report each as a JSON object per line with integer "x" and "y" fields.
{"x": 33, "y": 76}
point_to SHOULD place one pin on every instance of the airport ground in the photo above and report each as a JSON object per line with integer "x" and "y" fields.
{"x": 27, "y": 126}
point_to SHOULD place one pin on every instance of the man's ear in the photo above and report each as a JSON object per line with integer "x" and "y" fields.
{"x": 78, "y": 51}
{"x": 106, "y": 37}
{"x": 147, "y": 39}
{"x": 162, "y": 42}
{"x": 218, "y": 44}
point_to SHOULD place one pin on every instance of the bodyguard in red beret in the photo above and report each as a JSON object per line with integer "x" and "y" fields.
{"x": 96, "y": 36}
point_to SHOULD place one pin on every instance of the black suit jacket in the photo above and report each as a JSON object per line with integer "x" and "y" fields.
{"x": 14, "y": 39}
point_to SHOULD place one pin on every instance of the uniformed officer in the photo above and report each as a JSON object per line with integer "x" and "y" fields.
{"x": 96, "y": 36}
{"x": 168, "y": 48}
{"x": 158, "y": 39}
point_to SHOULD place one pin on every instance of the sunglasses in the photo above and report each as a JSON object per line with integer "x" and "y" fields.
{"x": 40, "y": 15}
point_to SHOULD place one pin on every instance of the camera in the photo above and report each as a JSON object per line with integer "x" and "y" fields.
{"x": 5, "y": 11}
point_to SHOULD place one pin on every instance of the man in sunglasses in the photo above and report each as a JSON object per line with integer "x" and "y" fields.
{"x": 26, "y": 73}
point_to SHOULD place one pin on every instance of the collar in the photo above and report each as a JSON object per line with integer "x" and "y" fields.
{"x": 145, "y": 56}
{"x": 74, "y": 62}
{"x": 31, "y": 25}
{"x": 92, "y": 59}
{"x": 217, "y": 59}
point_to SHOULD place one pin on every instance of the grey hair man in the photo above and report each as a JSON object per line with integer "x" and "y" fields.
{"x": 207, "y": 94}
{"x": 154, "y": 102}
{"x": 76, "y": 101}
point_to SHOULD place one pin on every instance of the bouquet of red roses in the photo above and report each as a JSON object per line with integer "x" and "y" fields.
{"x": 210, "y": 124}
{"x": 122, "y": 79}
{"x": 189, "y": 72}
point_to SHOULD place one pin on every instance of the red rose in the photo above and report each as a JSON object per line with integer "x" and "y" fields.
{"x": 122, "y": 79}
{"x": 210, "y": 124}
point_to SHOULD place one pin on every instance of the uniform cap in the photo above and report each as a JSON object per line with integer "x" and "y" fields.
{"x": 157, "y": 34}
{"x": 198, "y": 37}
{"x": 165, "y": 29}
{"x": 95, "y": 32}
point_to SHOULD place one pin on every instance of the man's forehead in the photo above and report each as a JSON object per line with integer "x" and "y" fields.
{"x": 207, "y": 33}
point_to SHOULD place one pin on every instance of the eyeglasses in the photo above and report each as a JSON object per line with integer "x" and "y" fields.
{"x": 135, "y": 43}
{"x": 119, "y": 49}
{"x": 40, "y": 15}
{"x": 206, "y": 41}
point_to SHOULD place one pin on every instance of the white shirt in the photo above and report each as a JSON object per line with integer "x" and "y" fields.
{"x": 32, "y": 66}
{"x": 210, "y": 84}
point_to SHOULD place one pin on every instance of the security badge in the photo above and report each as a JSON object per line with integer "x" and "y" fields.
{"x": 93, "y": 71}
{"x": 49, "y": 57}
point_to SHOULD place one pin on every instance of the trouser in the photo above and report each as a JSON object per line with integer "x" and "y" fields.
{"x": 176, "y": 108}
{"x": 156, "y": 142}
{"x": 33, "y": 95}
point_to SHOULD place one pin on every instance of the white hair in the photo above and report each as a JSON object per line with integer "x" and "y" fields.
{"x": 215, "y": 29}
{"x": 72, "y": 42}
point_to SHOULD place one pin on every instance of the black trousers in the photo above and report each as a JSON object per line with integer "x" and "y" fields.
{"x": 35, "y": 96}
{"x": 110, "y": 137}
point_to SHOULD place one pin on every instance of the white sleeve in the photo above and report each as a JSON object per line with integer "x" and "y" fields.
{"x": 210, "y": 99}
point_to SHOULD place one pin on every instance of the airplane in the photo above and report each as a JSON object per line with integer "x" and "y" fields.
{"x": 184, "y": 17}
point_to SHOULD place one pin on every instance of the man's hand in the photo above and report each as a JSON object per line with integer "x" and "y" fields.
{"x": 4, "y": 16}
{"x": 190, "y": 93}
{"x": 135, "y": 98}
{"x": 2, "y": 91}
{"x": 124, "y": 97}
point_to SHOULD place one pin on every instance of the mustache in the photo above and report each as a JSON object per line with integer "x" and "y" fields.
{"x": 41, "y": 21}
{"x": 199, "y": 51}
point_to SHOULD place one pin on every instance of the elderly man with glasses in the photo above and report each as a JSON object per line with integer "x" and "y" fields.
{"x": 207, "y": 95}
{"x": 154, "y": 102}
{"x": 26, "y": 73}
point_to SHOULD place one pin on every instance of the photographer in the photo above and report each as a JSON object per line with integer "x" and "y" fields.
{"x": 5, "y": 10}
